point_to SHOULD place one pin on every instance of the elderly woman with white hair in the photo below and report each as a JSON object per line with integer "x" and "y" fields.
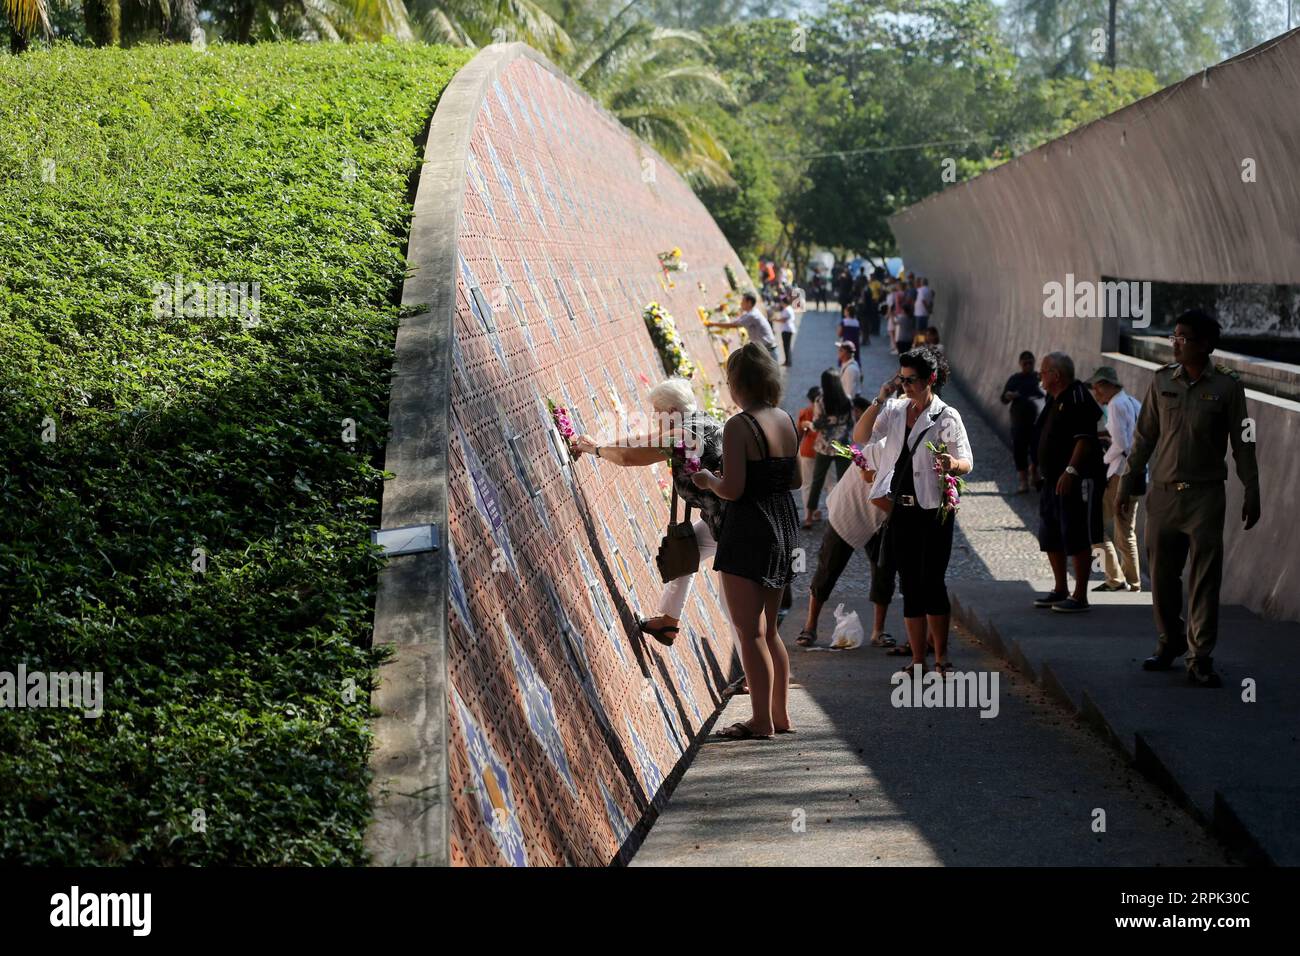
{"x": 678, "y": 421}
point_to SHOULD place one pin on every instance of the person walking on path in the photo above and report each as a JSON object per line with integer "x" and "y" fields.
{"x": 924, "y": 307}
{"x": 920, "y": 530}
{"x": 787, "y": 322}
{"x": 1120, "y": 544}
{"x": 1193, "y": 410}
{"x": 808, "y": 450}
{"x": 1023, "y": 393}
{"x": 833, "y": 422}
{"x": 1069, "y": 505}
{"x": 760, "y": 531}
{"x": 754, "y": 322}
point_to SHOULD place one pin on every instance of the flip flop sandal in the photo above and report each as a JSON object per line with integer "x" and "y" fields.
{"x": 741, "y": 731}
{"x": 788, "y": 730}
{"x": 944, "y": 667}
{"x": 658, "y": 632}
{"x": 901, "y": 650}
{"x": 806, "y": 639}
{"x": 907, "y": 671}
{"x": 884, "y": 641}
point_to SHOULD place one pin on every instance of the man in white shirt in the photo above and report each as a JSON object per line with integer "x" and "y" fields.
{"x": 924, "y": 305}
{"x": 1120, "y": 546}
{"x": 786, "y": 322}
{"x": 850, "y": 371}
{"x": 754, "y": 322}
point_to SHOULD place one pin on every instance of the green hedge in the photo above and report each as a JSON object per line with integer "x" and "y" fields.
{"x": 226, "y": 691}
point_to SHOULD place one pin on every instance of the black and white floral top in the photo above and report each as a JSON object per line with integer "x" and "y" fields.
{"x": 706, "y": 439}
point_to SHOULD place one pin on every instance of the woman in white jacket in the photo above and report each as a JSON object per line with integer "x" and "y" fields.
{"x": 920, "y": 529}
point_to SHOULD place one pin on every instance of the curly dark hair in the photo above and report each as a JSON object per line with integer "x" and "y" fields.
{"x": 928, "y": 363}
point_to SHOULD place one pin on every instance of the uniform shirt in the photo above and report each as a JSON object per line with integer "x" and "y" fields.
{"x": 1121, "y": 420}
{"x": 1184, "y": 429}
{"x": 759, "y": 329}
{"x": 1065, "y": 419}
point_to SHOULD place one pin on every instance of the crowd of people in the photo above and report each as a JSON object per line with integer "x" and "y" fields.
{"x": 892, "y": 464}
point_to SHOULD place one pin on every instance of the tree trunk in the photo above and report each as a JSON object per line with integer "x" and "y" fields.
{"x": 103, "y": 21}
{"x": 244, "y": 21}
{"x": 185, "y": 17}
{"x": 17, "y": 42}
{"x": 1110, "y": 36}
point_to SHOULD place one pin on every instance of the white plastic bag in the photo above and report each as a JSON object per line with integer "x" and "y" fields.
{"x": 848, "y": 630}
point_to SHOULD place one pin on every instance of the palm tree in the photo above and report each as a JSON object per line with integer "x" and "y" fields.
{"x": 24, "y": 16}
{"x": 476, "y": 23}
{"x": 652, "y": 79}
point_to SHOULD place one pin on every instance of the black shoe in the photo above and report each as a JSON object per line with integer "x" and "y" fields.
{"x": 1201, "y": 673}
{"x": 1051, "y": 598}
{"x": 1164, "y": 657}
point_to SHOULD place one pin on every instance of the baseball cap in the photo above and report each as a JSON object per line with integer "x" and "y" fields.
{"x": 846, "y": 344}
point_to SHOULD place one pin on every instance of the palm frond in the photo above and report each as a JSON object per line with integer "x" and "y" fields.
{"x": 26, "y": 15}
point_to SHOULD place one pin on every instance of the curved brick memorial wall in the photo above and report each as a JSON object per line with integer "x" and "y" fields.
{"x": 524, "y": 720}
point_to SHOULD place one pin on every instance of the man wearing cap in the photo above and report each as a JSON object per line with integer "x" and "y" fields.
{"x": 850, "y": 371}
{"x": 1119, "y": 544}
{"x": 1193, "y": 410}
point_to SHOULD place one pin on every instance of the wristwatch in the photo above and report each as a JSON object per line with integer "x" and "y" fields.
{"x": 1071, "y": 470}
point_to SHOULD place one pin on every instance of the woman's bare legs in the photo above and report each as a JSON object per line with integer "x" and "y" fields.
{"x": 747, "y": 601}
{"x": 780, "y": 664}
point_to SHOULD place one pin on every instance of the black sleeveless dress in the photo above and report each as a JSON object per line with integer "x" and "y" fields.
{"x": 760, "y": 529}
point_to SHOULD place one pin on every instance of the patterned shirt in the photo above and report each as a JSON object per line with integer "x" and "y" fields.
{"x": 706, "y": 442}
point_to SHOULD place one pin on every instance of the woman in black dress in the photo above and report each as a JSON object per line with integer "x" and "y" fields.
{"x": 760, "y": 531}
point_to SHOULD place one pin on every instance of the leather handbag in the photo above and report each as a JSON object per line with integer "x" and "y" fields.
{"x": 679, "y": 552}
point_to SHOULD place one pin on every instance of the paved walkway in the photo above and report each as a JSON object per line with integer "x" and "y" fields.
{"x": 865, "y": 783}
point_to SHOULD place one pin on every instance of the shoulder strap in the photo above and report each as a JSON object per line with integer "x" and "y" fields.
{"x": 797, "y": 437}
{"x": 758, "y": 432}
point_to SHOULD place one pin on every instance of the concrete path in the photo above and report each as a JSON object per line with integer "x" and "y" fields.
{"x": 865, "y": 783}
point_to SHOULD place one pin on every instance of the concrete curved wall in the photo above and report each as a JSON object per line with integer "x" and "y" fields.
{"x": 524, "y": 720}
{"x": 1155, "y": 191}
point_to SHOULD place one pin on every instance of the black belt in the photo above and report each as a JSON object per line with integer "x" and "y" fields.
{"x": 906, "y": 501}
{"x": 1183, "y": 485}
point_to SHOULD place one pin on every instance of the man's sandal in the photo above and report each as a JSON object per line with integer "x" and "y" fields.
{"x": 741, "y": 731}
{"x": 883, "y": 640}
{"x": 806, "y": 639}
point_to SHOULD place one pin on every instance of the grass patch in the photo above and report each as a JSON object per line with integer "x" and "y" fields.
{"x": 224, "y": 691}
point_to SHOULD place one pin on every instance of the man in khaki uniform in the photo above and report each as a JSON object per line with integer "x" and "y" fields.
{"x": 1193, "y": 409}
